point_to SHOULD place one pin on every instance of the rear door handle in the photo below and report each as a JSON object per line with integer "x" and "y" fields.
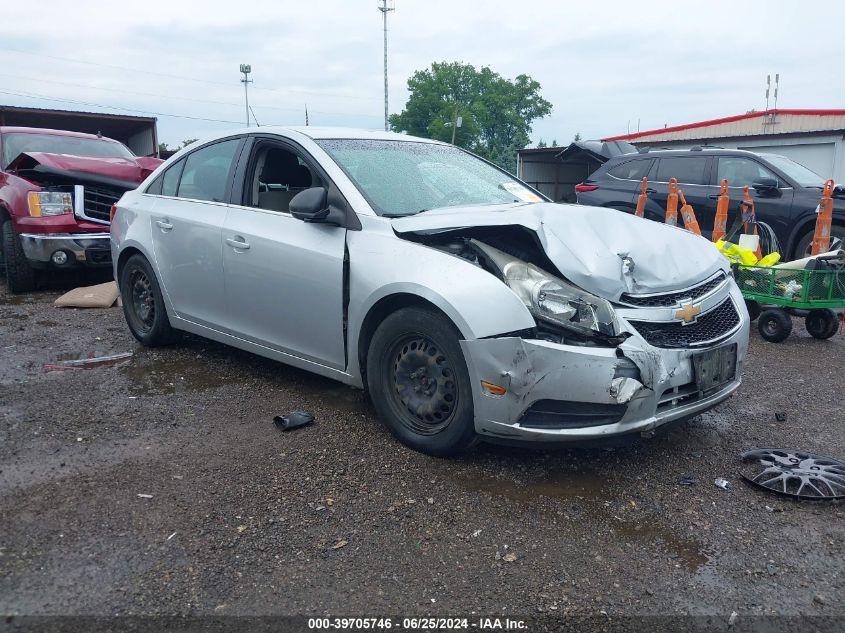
{"x": 650, "y": 191}
{"x": 237, "y": 242}
{"x": 714, "y": 196}
{"x": 165, "y": 225}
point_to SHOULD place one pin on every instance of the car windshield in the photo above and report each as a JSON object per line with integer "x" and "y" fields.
{"x": 406, "y": 177}
{"x": 796, "y": 171}
{"x": 15, "y": 144}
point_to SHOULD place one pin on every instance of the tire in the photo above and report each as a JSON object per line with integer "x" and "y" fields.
{"x": 415, "y": 362}
{"x": 20, "y": 276}
{"x": 143, "y": 304}
{"x": 804, "y": 245}
{"x": 774, "y": 325}
{"x": 754, "y": 309}
{"x": 821, "y": 324}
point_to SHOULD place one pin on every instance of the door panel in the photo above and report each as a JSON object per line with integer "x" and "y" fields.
{"x": 692, "y": 174}
{"x": 187, "y": 247}
{"x": 284, "y": 283}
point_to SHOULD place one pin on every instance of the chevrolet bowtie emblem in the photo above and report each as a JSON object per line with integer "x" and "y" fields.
{"x": 688, "y": 313}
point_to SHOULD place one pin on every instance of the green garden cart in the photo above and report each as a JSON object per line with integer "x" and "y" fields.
{"x": 770, "y": 292}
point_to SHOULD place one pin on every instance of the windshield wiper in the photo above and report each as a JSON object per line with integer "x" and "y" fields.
{"x": 402, "y": 215}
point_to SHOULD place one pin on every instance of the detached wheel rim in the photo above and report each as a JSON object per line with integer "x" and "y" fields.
{"x": 142, "y": 300}
{"x": 423, "y": 385}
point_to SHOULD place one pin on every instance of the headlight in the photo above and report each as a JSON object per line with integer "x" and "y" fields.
{"x": 42, "y": 203}
{"x": 551, "y": 299}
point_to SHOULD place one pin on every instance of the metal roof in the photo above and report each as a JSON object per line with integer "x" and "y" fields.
{"x": 765, "y": 122}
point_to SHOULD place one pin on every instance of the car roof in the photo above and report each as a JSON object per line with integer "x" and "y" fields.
{"x": 318, "y": 133}
{"x": 8, "y": 129}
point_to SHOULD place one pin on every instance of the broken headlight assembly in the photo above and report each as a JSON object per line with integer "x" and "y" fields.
{"x": 44, "y": 203}
{"x": 552, "y": 300}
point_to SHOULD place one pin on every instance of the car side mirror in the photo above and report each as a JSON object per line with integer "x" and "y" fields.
{"x": 311, "y": 205}
{"x": 765, "y": 183}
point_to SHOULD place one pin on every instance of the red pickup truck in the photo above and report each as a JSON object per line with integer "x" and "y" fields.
{"x": 56, "y": 193}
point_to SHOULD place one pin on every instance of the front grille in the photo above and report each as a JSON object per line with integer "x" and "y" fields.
{"x": 564, "y": 414}
{"x": 710, "y": 327}
{"x": 98, "y": 201}
{"x": 673, "y": 298}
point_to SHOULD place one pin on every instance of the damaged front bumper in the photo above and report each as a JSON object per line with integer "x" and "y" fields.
{"x": 557, "y": 392}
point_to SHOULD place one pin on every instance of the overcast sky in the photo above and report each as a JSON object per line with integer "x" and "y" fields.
{"x": 605, "y": 66}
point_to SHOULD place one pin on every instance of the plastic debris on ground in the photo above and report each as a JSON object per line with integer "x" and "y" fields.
{"x": 295, "y": 420}
{"x": 724, "y": 484}
{"x": 91, "y": 362}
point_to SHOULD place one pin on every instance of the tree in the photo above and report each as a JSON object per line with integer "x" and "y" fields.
{"x": 541, "y": 143}
{"x": 188, "y": 141}
{"x": 577, "y": 137}
{"x": 497, "y": 113}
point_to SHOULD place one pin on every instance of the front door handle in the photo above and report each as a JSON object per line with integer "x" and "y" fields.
{"x": 165, "y": 225}
{"x": 650, "y": 191}
{"x": 714, "y": 196}
{"x": 237, "y": 242}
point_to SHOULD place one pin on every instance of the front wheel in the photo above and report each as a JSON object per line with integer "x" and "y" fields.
{"x": 20, "y": 276}
{"x": 821, "y": 324}
{"x": 804, "y": 246}
{"x": 774, "y": 325}
{"x": 419, "y": 383}
{"x": 143, "y": 304}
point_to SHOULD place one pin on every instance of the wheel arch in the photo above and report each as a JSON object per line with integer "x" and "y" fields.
{"x": 804, "y": 226}
{"x": 379, "y": 311}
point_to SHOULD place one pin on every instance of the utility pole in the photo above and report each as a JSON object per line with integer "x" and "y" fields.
{"x": 246, "y": 69}
{"x": 384, "y": 6}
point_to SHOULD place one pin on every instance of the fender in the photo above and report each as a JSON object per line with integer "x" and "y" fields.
{"x": 478, "y": 303}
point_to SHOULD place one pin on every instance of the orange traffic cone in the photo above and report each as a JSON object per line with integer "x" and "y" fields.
{"x": 720, "y": 224}
{"x": 821, "y": 237}
{"x": 688, "y": 215}
{"x": 641, "y": 199}
{"x": 672, "y": 203}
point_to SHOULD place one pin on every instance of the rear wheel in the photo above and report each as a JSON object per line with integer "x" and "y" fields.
{"x": 20, "y": 276}
{"x": 821, "y": 324}
{"x": 419, "y": 383}
{"x": 805, "y": 244}
{"x": 774, "y": 325}
{"x": 143, "y": 304}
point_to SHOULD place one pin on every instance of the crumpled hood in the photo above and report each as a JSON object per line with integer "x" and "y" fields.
{"x": 128, "y": 169}
{"x": 591, "y": 245}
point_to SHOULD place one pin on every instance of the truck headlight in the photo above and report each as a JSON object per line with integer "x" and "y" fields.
{"x": 551, "y": 299}
{"x": 43, "y": 203}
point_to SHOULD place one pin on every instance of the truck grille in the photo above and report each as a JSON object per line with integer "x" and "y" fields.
{"x": 673, "y": 298}
{"x": 710, "y": 327}
{"x": 98, "y": 201}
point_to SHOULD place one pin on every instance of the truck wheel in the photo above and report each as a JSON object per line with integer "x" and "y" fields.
{"x": 774, "y": 325}
{"x": 419, "y": 383}
{"x": 821, "y": 324}
{"x": 143, "y": 304}
{"x": 20, "y": 277}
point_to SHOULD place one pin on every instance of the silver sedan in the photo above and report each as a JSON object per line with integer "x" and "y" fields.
{"x": 466, "y": 304}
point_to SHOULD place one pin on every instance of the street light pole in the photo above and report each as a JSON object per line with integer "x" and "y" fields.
{"x": 246, "y": 69}
{"x": 385, "y": 6}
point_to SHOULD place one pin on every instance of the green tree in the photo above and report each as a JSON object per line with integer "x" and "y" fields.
{"x": 188, "y": 141}
{"x": 577, "y": 137}
{"x": 497, "y": 113}
{"x": 541, "y": 144}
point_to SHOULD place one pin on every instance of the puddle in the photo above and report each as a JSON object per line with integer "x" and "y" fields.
{"x": 149, "y": 376}
{"x": 596, "y": 504}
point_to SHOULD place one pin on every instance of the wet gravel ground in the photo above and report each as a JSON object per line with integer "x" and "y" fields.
{"x": 161, "y": 486}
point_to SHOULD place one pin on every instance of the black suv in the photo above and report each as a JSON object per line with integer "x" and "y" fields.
{"x": 785, "y": 193}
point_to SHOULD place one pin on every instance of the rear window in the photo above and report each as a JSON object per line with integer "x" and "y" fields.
{"x": 690, "y": 171}
{"x": 631, "y": 170}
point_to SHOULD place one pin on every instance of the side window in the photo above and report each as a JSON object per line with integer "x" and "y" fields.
{"x": 170, "y": 182}
{"x": 278, "y": 174}
{"x": 631, "y": 170}
{"x": 688, "y": 171}
{"x": 741, "y": 171}
{"x": 155, "y": 186}
{"x": 206, "y": 172}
